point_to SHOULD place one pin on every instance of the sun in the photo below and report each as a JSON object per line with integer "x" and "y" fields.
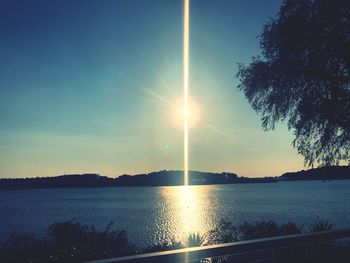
{"x": 179, "y": 112}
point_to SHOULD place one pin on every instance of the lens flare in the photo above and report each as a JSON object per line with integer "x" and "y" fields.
{"x": 185, "y": 84}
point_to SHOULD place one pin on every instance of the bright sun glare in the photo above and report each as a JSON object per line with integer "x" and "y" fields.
{"x": 179, "y": 112}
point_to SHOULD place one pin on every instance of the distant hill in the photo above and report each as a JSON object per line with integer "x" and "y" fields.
{"x": 160, "y": 178}
{"x": 169, "y": 178}
{"x": 322, "y": 173}
{"x": 61, "y": 181}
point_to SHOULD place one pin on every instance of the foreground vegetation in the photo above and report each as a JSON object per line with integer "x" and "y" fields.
{"x": 75, "y": 242}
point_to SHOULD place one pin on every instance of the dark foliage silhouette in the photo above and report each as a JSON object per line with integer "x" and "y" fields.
{"x": 159, "y": 178}
{"x": 163, "y": 246}
{"x": 303, "y": 77}
{"x": 226, "y": 231}
{"x": 71, "y": 242}
{"x": 67, "y": 242}
{"x": 322, "y": 173}
{"x": 320, "y": 225}
{"x": 167, "y": 178}
{"x": 61, "y": 181}
{"x": 196, "y": 240}
{"x": 25, "y": 248}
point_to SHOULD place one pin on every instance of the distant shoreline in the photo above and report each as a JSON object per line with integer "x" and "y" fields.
{"x": 138, "y": 186}
{"x": 168, "y": 178}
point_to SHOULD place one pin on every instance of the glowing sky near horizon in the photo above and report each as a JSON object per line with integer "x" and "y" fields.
{"x": 91, "y": 86}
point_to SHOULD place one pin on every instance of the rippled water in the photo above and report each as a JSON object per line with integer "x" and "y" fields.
{"x": 152, "y": 214}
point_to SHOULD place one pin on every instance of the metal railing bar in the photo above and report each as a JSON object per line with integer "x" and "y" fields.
{"x": 197, "y": 253}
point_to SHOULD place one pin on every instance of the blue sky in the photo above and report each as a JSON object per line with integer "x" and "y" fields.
{"x": 91, "y": 86}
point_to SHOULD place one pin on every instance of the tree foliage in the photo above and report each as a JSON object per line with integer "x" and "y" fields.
{"x": 303, "y": 77}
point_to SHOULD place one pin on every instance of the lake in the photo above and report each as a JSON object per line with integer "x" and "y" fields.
{"x": 153, "y": 214}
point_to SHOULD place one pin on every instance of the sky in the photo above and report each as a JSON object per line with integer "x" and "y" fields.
{"x": 95, "y": 87}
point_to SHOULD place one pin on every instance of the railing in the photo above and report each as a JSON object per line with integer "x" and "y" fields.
{"x": 198, "y": 253}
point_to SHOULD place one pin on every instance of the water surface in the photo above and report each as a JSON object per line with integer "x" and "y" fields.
{"x": 152, "y": 214}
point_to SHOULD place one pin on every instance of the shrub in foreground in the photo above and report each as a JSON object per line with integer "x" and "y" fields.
{"x": 67, "y": 242}
{"x": 72, "y": 241}
{"x": 226, "y": 231}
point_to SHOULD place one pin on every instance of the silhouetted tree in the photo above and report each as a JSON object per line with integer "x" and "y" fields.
{"x": 303, "y": 77}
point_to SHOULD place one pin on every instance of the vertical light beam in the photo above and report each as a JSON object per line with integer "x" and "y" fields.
{"x": 185, "y": 84}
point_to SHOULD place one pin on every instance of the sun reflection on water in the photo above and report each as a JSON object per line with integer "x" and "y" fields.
{"x": 185, "y": 210}
{"x": 189, "y": 210}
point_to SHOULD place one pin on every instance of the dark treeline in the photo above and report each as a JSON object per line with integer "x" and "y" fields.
{"x": 160, "y": 178}
{"x": 62, "y": 181}
{"x": 168, "y": 178}
{"x": 323, "y": 173}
